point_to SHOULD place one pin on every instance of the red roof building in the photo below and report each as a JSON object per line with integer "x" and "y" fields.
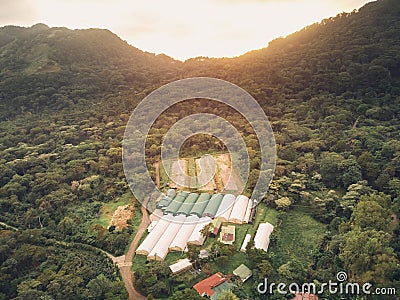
{"x": 204, "y": 287}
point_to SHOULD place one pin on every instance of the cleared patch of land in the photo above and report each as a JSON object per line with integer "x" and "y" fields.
{"x": 116, "y": 212}
{"x": 121, "y": 215}
{"x": 221, "y": 178}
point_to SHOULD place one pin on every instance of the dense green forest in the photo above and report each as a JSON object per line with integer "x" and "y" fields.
{"x": 331, "y": 92}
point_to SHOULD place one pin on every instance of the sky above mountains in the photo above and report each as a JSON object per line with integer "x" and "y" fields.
{"x": 181, "y": 28}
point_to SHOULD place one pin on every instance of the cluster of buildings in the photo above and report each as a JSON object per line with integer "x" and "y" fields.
{"x": 185, "y": 216}
{"x": 227, "y": 207}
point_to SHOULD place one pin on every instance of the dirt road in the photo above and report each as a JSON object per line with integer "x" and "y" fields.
{"x": 124, "y": 262}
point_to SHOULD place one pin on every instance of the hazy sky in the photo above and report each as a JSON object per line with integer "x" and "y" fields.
{"x": 180, "y": 28}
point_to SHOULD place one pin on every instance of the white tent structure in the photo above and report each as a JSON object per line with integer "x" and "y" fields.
{"x": 151, "y": 226}
{"x": 239, "y": 209}
{"x": 246, "y": 241}
{"x": 248, "y": 212}
{"x": 160, "y": 250}
{"x": 225, "y": 208}
{"x": 180, "y": 266}
{"x": 261, "y": 239}
{"x": 180, "y": 241}
{"x": 197, "y": 238}
{"x": 150, "y": 241}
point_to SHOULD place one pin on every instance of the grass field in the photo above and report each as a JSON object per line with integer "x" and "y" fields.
{"x": 109, "y": 208}
{"x": 298, "y": 237}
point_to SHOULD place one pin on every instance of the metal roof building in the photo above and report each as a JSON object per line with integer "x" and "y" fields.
{"x": 224, "y": 210}
{"x": 243, "y": 272}
{"x": 200, "y": 205}
{"x": 261, "y": 239}
{"x": 239, "y": 210}
{"x": 188, "y": 204}
{"x": 213, "y": 206}
{"x": 150, "y": 241}
{"x": 160, "y": 250}
{"x": 180, "y": 241}
{"x": 176, "y": 203}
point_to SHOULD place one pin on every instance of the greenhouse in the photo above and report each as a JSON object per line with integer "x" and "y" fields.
{"x": 160, "y": 250}
{"x": 181, "y": 239}
{"x": 197, "y": 238}
{"x": 248, "y": 211}
{"x": 224, "y": 210}
{"x": 239, "y": 210}
{"x": 200, "y": 205}
{"x": 150, "y": 241}
{"x": 176, "y": 203}
{"x": 261, "y": 239}
{"x": 213, "y": 205}
{"x": 188, "y": 204}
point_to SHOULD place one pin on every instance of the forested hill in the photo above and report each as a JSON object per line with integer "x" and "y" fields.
{"x": 331, "y": 92}
{"x": 57, "y": 67}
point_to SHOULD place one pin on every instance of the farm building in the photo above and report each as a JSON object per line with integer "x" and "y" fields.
{"x": 215, "y": 228}
{"x": 227, "y": 234}
{"x": 171, "y": 193}
{"x": 164, "y": 202}
{"x": 200, "y": 205}
{"x": 246, "y": 241}
{"x": 160, "y": 250}
{"x": 224, "y": 210}
{"x": 261, "y": 239}
{"x": 176, "y": 203}
{"x": 150, "y": 241}
{"x": 197, "y": 238}
{"x": 243, "y": 272}
{"x": 239, "y": 210}
{"x": 151, "y": 226}
{"x": 205, "y": 287}
{"x": 213, "y": 205}
{"x": 248, "y": 211}
{"x": 180, "y": 266}
{"x": 188, "y": 204}
{"x": 180, "y": 241}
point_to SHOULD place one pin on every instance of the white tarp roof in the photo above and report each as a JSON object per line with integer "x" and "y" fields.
{"x": 196, "y": 237}
{"x": 248, "y": 211}
{"x": 180, "y": 241}
{"x": 261, "y": 239}
{"x": 160, "y": 250}
{"x": 153, "y": 237}
{"x": 180, "y": 265}
{"x": 225, "y": 208}
{"x": 246, "y": 241}
{"x": 239, "y": 209}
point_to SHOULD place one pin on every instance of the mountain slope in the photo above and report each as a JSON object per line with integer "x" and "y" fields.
{"x": 331, "y": 92}
{"x": 56, "y": 67}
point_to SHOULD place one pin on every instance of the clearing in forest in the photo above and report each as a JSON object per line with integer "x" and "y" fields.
{"x": 225, "y": 178}
{"x": 116, "y": 213}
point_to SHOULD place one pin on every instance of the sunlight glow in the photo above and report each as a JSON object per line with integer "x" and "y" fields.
{"x": 183, "y": 29}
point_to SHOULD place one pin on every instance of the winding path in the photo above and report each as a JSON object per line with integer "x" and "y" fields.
{"x": 124, "y": 262}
